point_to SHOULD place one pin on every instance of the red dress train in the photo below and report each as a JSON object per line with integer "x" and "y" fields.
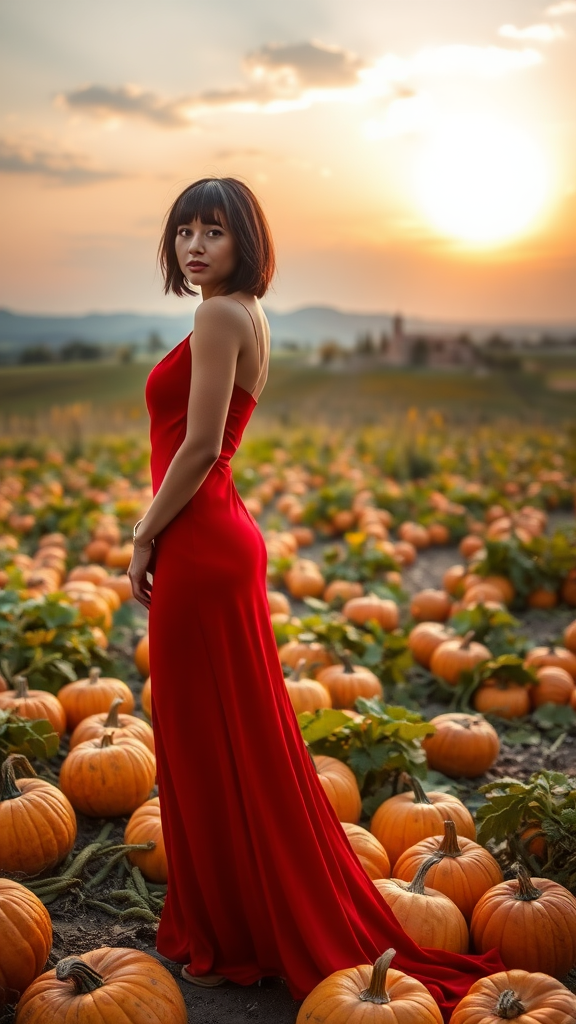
{"x": 261, "y": 877}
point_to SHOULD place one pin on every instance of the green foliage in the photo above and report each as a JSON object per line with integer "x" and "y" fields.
{"x": 46, "y": 640}
{"x": 361, "y": 561}
{"x": 542, "y": 562}
{"x": 496, "y": 628}
{"x": 547, "y": 800}
{"x": 24, "y": 736}
{"x": 385, "y": 743}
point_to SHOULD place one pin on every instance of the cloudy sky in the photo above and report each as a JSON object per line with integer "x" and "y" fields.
{"x": 415, "y": 155}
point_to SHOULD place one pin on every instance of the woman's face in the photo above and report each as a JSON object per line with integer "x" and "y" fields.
{"x": 207, "y": 255}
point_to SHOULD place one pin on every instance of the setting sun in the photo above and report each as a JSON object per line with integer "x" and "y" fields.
{"x": 482, "y": 182}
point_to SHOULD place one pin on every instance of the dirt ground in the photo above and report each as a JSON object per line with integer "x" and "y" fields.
{"x": 78, "y": 928}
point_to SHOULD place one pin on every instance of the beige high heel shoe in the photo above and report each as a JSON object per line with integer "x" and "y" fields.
{"x": 203, "y": 980}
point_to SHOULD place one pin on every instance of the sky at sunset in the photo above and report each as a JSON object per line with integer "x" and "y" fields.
{"x": 416, "y": 155}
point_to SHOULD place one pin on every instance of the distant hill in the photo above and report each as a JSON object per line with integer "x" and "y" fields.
{"x": 308, "y": 326}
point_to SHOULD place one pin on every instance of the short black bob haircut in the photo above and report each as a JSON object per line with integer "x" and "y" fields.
{"x": 230, "y": 203}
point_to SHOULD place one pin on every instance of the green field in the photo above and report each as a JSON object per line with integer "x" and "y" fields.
{"x": 109, "y": 395}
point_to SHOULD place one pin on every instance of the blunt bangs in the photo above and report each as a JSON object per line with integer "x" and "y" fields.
{"x": 232, "y": 205}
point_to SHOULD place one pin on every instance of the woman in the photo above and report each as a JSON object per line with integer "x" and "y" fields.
{"x": 261, "y": 877}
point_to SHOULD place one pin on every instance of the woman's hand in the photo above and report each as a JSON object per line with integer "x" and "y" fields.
{"x": 143, "y": 561}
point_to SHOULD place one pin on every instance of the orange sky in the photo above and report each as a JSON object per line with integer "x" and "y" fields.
{"x": 417, "y": 156}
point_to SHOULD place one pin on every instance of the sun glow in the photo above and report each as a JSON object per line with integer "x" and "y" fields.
{"x": 481, "y": 182}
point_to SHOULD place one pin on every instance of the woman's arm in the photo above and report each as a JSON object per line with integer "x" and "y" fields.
{"x": 218, "y": 331}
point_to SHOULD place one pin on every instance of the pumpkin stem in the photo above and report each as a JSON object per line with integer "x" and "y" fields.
{"x": 107, "y": 740}
{"x": 526, "y": 891}
{"x": 376, "y": 991}
{"x": 466, "y": 639}
{"x": 21, "y": 686}
{"x": 509, "y": 1005}
{"x": 112, "y": 720}
{"x": 84, "y": 978}
{"x": 94, "y": 674}
{"x": 348, "y": 666}
{"x": 8, "y": 788}
{"x": 449, "y": 845}
{"x": 417, "y": 883}
{"x": 419, "y": 794}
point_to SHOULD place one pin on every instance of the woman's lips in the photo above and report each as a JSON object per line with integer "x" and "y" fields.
{"x": 196, "y": 266}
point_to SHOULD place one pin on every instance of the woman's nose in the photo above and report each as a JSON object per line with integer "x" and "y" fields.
{"x": 195, "y": 243}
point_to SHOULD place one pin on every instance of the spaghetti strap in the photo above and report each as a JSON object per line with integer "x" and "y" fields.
{"x": 257, "y": 342}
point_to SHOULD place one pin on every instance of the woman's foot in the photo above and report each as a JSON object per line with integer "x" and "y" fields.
{"x": 204, "y": 980}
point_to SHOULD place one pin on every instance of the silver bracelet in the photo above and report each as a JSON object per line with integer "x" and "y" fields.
{"x": 136, "y": 525}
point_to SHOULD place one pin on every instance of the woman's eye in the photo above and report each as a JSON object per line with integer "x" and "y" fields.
{"x": 214, "y": 231}
{"x": 183, "y": 231}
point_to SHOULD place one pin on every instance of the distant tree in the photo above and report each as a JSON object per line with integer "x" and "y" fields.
{"x": 498, "y": 342}
{"x": 329, "y": 350}
{"x": 155, "y": 343}
{"x": 365, "y": 345}
{"x": 419, "y": 352}
{"x": 125, "y": 353}
{"x": 78, "y": 349}
{"x": 384, "y": 342}
{"x": 37, "y": 354}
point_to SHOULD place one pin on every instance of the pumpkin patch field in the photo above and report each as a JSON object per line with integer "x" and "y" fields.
{"x": 422, "y": 590}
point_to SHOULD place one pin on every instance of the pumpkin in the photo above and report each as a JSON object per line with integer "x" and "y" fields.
{"x": 533, "y": 839}
{"x": 146, "y": 698}
{"x": 304, "y": 579}
{"x": 314, "y": 654}
{"x": 464, "y": 870}
{"x": 278, "y": 602}
{"x": 93, "y": 695}
{"x": 405, "y": 819}
{"x": 530, "y": 997}
{"x": 542, "y": 597}
{"x": 405, "y": 552}
{"x": 439, "y": 533}
{"x": 34, "y": 704}
{"x": 559, "y": 656}
{"x": 304, "y": 535}
{"x": 506, "y": 700}
{"x": 504, "y": 585}
{"x": 346, "y": 682}
{"x": 104, "y": 986}
{"x": 306, "y": 694}
{"x": 480, "y": 593}
{"x": 121, "y": 584}
{"x": 532, "y": 923}
{"x": 96, "y": 725}
{"x": 452, "y": 580}
{"x": 555, "y": 685}
{"x": 142, "y": 656}
{"x": 108, "y": 777}
{"x": 414, "y": 533}
{"x": 25, "y": 939}
{"x": 339, "y": 783}
{"x": 570, "y": 637}
{"x": 424, "y": 639}
{"x": 37, "y": 821}
{"x": 145, "y": 824}
{"x": 426, "y": 915}
{"x": 568, "y": 589}
{"x": 469, "y": 545}
{"x": 366, "y": 995}
{"x": 457, "y": 655}
{"x": 95, "y": 574}
{"x": 370, "y": 852}
{"x": 362, "y": 609}
{"x": 463, "y": 744}
{"x": 342, "y": 590}
{"x": 430, "y": 605}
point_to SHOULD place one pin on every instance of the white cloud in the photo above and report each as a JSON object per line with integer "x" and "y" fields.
{"x": 541, "y": 33}
{"x": 18, "y": 157}
{"x": 562, "y": 8}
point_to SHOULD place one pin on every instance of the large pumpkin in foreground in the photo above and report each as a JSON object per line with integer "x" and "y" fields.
{"x": 529, "y": 997}
{"x": 405, "y": 819}
{"x": 25, "y": 939}
{"x": 37, "y": 821}
{"x": 369, "y": 995}
{"x": 104, "y": 986}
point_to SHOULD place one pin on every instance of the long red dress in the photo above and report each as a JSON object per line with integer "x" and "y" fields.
{"x": 261, "y": 877}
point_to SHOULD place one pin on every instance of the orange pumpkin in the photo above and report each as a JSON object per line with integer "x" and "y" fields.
{"x": 362, "y": 609}
{"x": 146, "y": 698}
{"x": 530, "y": 921}
{"x": 570, "y": 637}
{"x": 26, "y": 939}
{"x": 104, "y": 986}
{"x": 342, "y": 590}
{"x": 144, "y": 825}
{"x": 405, "y": 819}
{"x": 142, "y": 656}
{"x": 538, "y": 657}
{"x": 339, "y": 783}
{"x": 460, "y": 654}
{"x": 306, "y": 694}
{"x": 34, "y": 704}
{"x": 426, "y": 915}
{"x": 94, "y": 727}
{"x": 108, "y": 777}
{"x": 346, "y": 682}
{"x": 463, "y": 745}
{"x": 555, "y": 685}
{"x": 529, "y": 997}
{"x": 464, "y": 870}
{"x": 37, "y": 821}
{"x": 365, "y": 994}
{"x": 430, "y": 605}
{"x": 278, "y": 602}
{"x": 452, "y": 580}
{"x": 507, "y": 700}
{"x": 93, "y": 695}
{"x": 304, "y": 579}
{"x": 424, "y": 639}
{"x": 314, "y": 654}
{"x": 370, "y": 852}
